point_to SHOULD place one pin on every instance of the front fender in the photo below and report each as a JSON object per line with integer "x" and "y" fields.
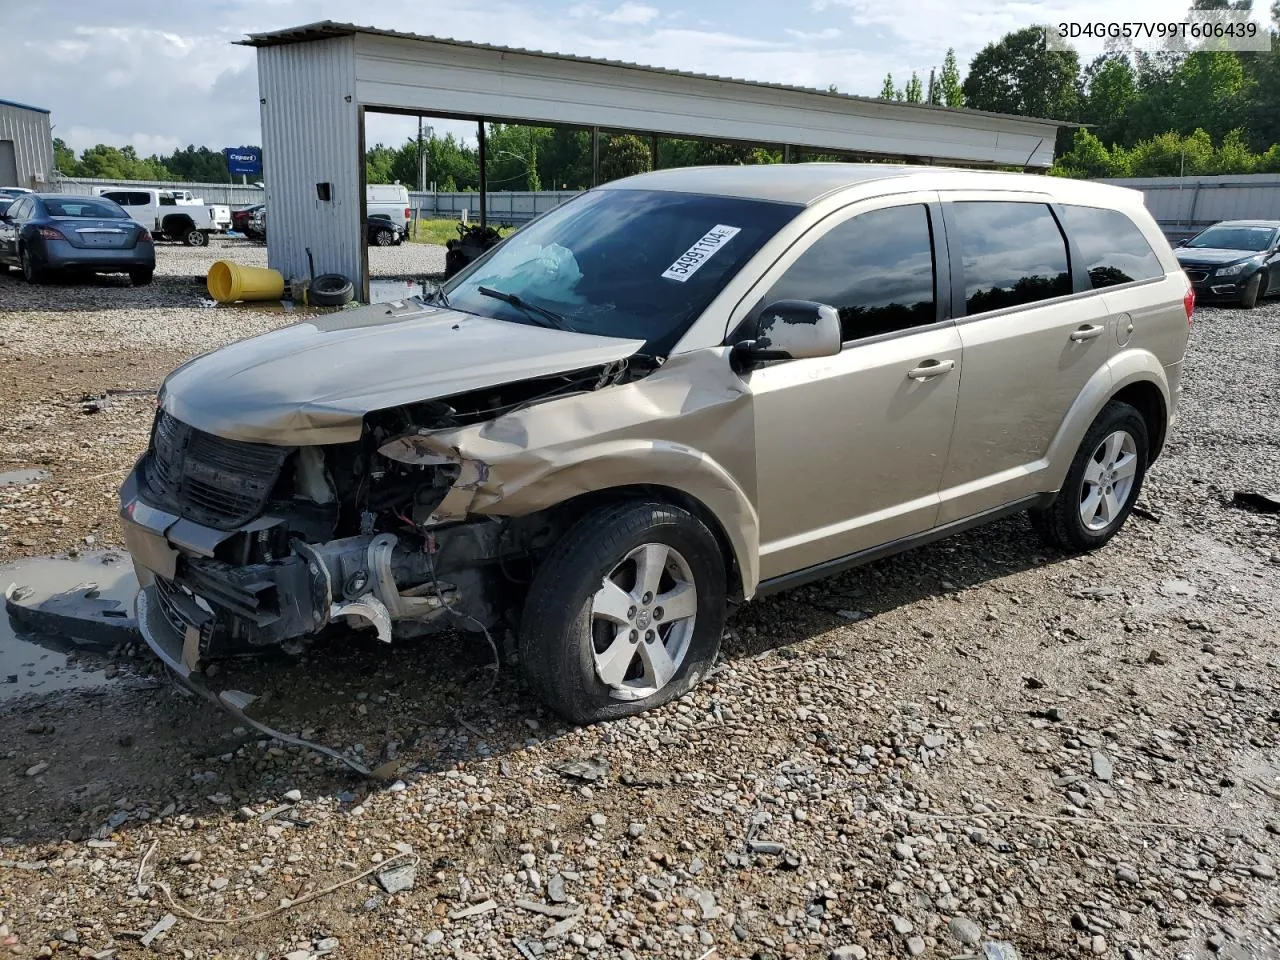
{"x": 1125, "y": 368}
{"x": 515, "y": 490}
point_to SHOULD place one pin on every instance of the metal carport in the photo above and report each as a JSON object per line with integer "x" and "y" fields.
{"x": 315, "y": 83}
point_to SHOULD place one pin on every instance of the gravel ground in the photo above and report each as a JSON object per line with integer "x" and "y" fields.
{"x": 980, "y": 741}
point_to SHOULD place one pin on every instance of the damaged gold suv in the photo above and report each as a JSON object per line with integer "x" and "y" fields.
{"x": 674, "y": 392}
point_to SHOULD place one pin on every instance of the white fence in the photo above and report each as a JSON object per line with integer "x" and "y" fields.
{"x": 232, "y": 194}
{"x": 1184, "y": 206}
{"x": 508, "y": 206}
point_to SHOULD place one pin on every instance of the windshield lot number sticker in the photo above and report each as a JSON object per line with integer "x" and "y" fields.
{"x": 702, "y": 251}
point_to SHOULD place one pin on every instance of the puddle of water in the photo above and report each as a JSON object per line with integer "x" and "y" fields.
{"x": 388, "y": 291}
{"x": 38, "y": 663}
{"x": 15, "y": 478}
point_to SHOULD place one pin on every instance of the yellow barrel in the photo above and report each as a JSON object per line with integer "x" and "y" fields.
{"x": 229, "y": 282}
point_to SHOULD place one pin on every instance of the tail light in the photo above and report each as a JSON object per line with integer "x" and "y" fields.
{"x": 407, "y": 213}
{"x": 48, "y": 233}
{"x": 1189, "y": 304}
{"x": 144, "y": 235}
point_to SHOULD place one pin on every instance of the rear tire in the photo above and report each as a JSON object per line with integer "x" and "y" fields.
{"x": 1095, "y": 501}
{"x": 141, "y": 278}
{"x": 1252, "y": 290}
{"x": 572, "y": 638}
{"x": 30, "y": 272}
{"x": 196, "y": 238}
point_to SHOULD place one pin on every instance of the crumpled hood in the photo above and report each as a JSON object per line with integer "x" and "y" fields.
{"x": 313, "y": 382}
{"x": 1214, "y": 256}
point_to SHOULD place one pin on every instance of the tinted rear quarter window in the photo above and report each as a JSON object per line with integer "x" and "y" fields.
{"x": 1013, "y": 253}
{"x": 1113, "y": 249}
{"x": 876, "y": 269}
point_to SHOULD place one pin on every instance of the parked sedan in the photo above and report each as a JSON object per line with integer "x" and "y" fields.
{"x": 242, "y": 220}
{"x": 44, "y": 233}
{"x": 1236, "y": 260}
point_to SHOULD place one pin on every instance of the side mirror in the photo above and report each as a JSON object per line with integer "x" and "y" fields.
{"x": 790, "y": 330}
{"x": 1183, "y": 241}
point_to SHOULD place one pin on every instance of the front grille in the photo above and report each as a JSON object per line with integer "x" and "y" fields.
{"x": 218, "y": 482}
{"x": 182, "y": 612}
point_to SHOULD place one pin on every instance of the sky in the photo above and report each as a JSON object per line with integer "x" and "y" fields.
{"x": 161, "y": 75}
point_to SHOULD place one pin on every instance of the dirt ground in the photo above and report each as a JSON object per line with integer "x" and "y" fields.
{"x": 980, "y": 742}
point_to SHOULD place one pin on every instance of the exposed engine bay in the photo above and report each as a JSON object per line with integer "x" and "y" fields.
{"x": 242, "y": 546}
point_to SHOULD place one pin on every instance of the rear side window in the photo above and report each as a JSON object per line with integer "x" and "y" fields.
{"x": 1013, "y": 254}
{"x": 1112, "y": 247}
{"x": 876, "y": 269}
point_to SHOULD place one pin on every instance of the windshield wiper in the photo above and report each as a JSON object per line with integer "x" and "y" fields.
{"x": 552, "y": 318}
{"x": 437, "y": 294}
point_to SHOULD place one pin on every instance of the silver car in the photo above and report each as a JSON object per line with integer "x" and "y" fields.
{"x": 674, "y": 392}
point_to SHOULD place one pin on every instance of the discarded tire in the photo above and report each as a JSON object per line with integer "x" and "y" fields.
{"x": 331, "y": 290}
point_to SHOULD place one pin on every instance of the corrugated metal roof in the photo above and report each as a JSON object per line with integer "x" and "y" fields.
{"x": 22, "y": 106}
{"x": 328, "y": 29}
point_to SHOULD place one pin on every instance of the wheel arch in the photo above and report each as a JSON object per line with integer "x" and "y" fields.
{"x": 1133, "y": 376}
{"x": 677, "y": 498}
{"x": 177, "y": 221}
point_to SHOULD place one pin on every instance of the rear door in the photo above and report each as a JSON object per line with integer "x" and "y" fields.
{"x": 1033, "y": 333}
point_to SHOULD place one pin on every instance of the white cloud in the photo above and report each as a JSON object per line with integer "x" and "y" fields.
{"x": 631, "y": 13}
{"x": 830, "y": 33}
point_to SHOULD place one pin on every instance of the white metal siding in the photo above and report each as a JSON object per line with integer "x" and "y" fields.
{"x": 32, "y": 139}
{"x": 310, "y": 135}
{"x": 445, "y": 79}
{"x": 1199, "y": 201}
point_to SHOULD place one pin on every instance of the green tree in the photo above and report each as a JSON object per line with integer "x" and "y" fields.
{"x": 1111, "y": 90}
{"x": 914, "y": 92}
{"x": 64, "y": 158}
{"x": 1019, "y": 75}
{"x": 887, "y": 91}
{"x": 949, "y": 91}
{"x": 1171, "y": 154}
{"x": 1089, "y": 157}
{"x": 1233, "y": 155}
{"x": 199, "y": 164}
{"x": 1204, "y": 90}
{"x": 623, "y": 156}
{"x": 377, "y": 164}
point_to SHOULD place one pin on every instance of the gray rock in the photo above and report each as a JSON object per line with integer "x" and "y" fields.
{"x": 397, "y": 878}
{"x": 999, "y": 950}
{"x": 767, "y": 847}
{"x": 555, "y": 889}
{"x": 598, "y": 820}
{"x": 1128, "y": 875}
{"x": 1102, "y": 768}
{"x": 1098, "y": 945}
{"x": 849, "y": 952}
{"x": 635, "y": 830}
{"x": 965, "y": 931}
{"x": 902, "y": 925}
{"x": 219, "y": 883}
{"x": 327, "y": 945}
{"x": 915, "y": 946}
{"x": 432, "y": 938}
{"x": 293, "y": 796}
{"x": 1263, "y": 871}
{"x": 902, "y": 851}
{"x": 37, "y": 769}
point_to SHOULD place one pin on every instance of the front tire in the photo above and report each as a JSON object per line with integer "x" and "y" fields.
{"x": 1102, "y": 484}
{"x": 624, "y": 613}
{"x": 1252, "y": 290}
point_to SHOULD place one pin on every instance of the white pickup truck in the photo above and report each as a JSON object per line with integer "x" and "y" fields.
{"x": 172, "y": 214}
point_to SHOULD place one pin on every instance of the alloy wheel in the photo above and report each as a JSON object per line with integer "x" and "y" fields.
{"x": 1108, "y": 480}
{"x": 642, "y": 620}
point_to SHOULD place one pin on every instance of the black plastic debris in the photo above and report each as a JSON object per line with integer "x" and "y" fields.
{"x": 81, "y": 614}
{"x": 1261, "y": 502}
